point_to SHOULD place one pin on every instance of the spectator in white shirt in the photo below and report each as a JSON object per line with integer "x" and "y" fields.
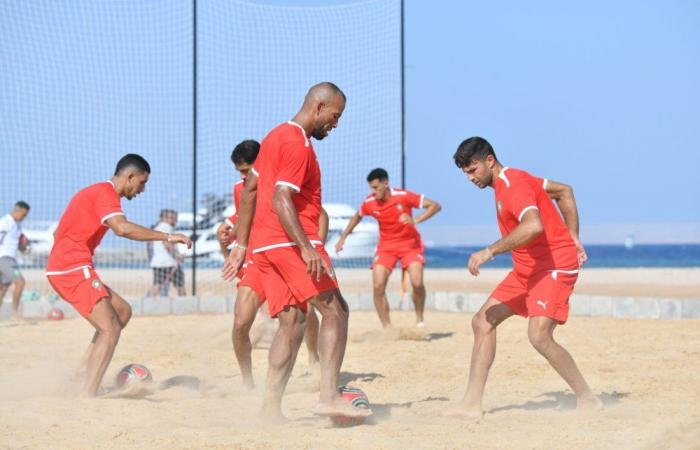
{"x": 165, "y": 259}
{"x": 11, "y": 240}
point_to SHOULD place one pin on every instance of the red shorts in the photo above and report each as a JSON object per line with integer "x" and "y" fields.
{"x": 251, "y": 277}
{"x": 407, "y": 256}
{"x": 544, "y": 293}
{"x": 81, "y": 288}
{"x": 285, "y": 279}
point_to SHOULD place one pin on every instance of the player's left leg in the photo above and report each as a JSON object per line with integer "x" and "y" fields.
{"x": 3, "y": 291}
{"x": 245, "y": 309}
{"x": 283, "y": 354}
{"x": 179, "y": 281}
{"x": 380, "y": 278}
{"x": 540, "y": 331}
{"x": 123, "y": 310}
{"x": 311, "y": 339}
{"x": 415, "y": 274}
{"x": 17, "y": 295}
{"x": 333, "y": 338}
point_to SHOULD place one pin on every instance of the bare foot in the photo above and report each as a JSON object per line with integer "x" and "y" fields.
{"x": 248, "y": 384}
{"x": 460, "y": 411}
{"x": 315, "y": 367}
{"x": 340, "y": 407}
{"x": 271, "y": 415}
{"x": 589, "y": 403}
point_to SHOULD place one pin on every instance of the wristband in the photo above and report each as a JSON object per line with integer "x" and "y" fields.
{"x": 169, "y": 238}
{"x": 237, "y": 245}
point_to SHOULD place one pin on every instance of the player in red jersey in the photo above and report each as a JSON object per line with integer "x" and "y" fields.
{"x": 546, "y": 254}
{"x": 285, "y": 197}
{"x": 70, "y": 271}
{"x": 251, "y": 294}
{"x": 399, "y": 240}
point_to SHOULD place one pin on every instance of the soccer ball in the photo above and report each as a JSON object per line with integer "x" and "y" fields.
{"x": 55, "y": 314}
{"x": 134, "y": 373}
{"x": 358, "y": 399}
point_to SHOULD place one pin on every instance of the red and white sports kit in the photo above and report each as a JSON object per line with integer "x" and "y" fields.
{"x": 544, "y": 270}
{"x": 398, "y": 241}
{"x": 287, "y": 158}
{"x": 70, "y": 270}
{"x": 248, "y": 274}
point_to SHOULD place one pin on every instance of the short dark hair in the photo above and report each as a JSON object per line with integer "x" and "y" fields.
{"x": 245, "y": 152}
{"x": 165, "y": 212}
{"x": 22, "y": 204}
{"x": 132, "y": 160}
{"x": 474, "y": 148}
{"x": 378, "y": 174}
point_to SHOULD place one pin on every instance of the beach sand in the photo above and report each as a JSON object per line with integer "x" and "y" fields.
{"x": 645, "y": 371}
{"x": 641, "y": 282}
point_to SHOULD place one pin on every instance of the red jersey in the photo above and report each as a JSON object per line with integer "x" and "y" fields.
{"x": 237, "y": 189}
{"x": 82, "y": 227}
{"x": 286, "y": 158}
{"x": 392, "y": 232}
{"x": 518, "y": 192}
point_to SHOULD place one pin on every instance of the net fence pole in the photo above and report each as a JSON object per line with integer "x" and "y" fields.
{"x": 194, "y": 147}
{"x": 403, "y": 103}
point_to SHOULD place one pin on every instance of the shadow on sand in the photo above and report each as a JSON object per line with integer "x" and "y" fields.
{"x": 438, "y": 336}
{"x": 561, "y": 401}
{"x": 349, "y": 377}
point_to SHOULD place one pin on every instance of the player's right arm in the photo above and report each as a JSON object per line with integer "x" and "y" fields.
{"x": 123, "y": 228}
{"x": 563, "y": 194}
{"x": 286, "y": 211}
{"x": 246, "y": 211}
{"x": 348, "y": 229}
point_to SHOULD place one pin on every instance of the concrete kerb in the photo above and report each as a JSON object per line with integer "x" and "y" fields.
{"x": 580, "y": 305}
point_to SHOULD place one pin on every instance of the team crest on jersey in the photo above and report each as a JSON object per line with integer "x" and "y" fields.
{"x": 399, "y": 206}
{"x": 499, "y": 206}
{"x": 96, "y": 284}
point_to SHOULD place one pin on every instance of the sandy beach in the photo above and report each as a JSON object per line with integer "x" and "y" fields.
{"x": 640, "y": 282}
{"x": 645, "y": 371}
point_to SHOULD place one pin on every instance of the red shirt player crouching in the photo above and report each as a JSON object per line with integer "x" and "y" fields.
{"x": 546, "y": 255}
{"x": 399, "y": 240}
{"x": 90, "y": 214}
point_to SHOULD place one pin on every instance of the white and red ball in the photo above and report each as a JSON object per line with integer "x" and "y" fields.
{"x": 55, "y": 314}
{"x": 134, "y": 373}
{"x": 358, "y": 399}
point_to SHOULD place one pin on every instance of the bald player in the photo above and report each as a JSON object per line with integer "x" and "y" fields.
{"x": 285, "y": 195}
{"x": 250, "y": 295}
{"x": 546, "y": 254}
{"x": 90, "y": 214}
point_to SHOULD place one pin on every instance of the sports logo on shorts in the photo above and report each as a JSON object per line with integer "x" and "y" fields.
{"x": 499, "y": 206}
{"x": 331, "y": 272}
{"x": 96, "y": 284}
{"x": 543, "y": 303}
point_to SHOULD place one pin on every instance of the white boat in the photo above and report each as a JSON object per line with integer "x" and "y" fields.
{"x": 360, "y": 244}
{"x": 40, "y": 235}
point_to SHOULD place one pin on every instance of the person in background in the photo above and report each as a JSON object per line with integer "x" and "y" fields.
{"x": 166, "y": 260}
{"x": 11, "y": 240}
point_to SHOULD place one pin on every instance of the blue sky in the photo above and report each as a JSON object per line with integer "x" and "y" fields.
{"x": 601, "y": 95}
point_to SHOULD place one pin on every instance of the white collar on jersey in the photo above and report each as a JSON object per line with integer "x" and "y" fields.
{"x": 303, "y": 132}
{"x": 110, "y": 182}
{"x": 503, "y": 176}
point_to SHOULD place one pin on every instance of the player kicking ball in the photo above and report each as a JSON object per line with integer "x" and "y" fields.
{"x": 399, "y": 240}
{"x": 285, "y": 197}
{"x": 250, "y": 296}
{"x": 90, "y": 214}
{"x": 546, "y": 254}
